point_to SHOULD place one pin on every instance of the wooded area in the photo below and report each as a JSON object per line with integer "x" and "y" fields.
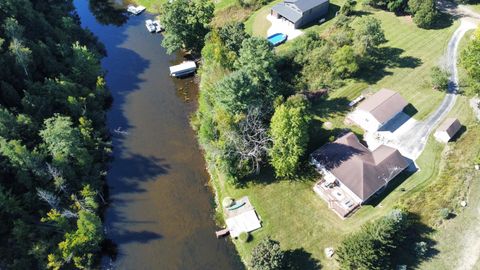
{"x": 54, "y": 144}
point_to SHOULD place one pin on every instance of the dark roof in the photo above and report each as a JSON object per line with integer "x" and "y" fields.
{"x": 293, "y": 9}
{"x": 364, "y": 172}
{"x": 451, "y": 126}
{"x": 383, "y": 105}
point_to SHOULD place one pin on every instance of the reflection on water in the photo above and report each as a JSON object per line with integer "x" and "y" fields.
{"x": 160, "y": 214}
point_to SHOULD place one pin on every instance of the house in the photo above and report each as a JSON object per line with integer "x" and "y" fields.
{"x": 447, "y": 130}
{"x": 352, "y": 173}
{"x": 301, "y": 12}
{"x": 375, "y": 111}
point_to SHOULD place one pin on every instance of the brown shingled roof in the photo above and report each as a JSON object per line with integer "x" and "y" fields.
{"x": 384, "y": 105}
{"x": 364, "y": 172}
{"x": 451, "y": 126}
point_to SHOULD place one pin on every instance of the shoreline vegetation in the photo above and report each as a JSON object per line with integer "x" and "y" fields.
{"x": 244, "y": 83}
{"x": 54, "y": 143}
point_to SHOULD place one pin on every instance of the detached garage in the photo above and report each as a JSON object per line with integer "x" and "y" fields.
{"x": 301, "y": 12}
{"x": 378, "y": 109}
{"x": 447, "y": 130}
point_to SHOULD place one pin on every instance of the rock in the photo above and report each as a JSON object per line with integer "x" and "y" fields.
{"x": 329, "y": 252}
{"x": 477, "y": 167}
{"x": 463, "y": 203}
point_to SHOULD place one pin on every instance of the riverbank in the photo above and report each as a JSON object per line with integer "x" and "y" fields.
{"x": 289, "y": 209}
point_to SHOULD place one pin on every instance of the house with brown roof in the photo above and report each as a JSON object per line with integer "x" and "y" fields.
{"x": 352, "y": 174}
{"x": 378, "y": 109}
{"x": 447, "y": 130}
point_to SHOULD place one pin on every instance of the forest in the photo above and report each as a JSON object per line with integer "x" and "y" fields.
{"x": 54, "y": 145}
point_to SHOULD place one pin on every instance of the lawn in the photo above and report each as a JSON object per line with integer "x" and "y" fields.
{"x": 290, "y": 211}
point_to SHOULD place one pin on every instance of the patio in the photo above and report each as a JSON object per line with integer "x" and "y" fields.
{"x": 282, "y": 26}
{"x": 336, "y": 197}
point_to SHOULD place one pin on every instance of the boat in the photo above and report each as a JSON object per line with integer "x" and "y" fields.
{"x": 158, "y": 27}
{"x": 277, "y": 39}
{"x": 183, "y": 69}
{"x": 135, "y": 10}
{"x": 150, "y": 26}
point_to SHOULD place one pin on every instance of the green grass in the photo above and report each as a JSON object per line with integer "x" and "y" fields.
{"x": 290, "y": 210}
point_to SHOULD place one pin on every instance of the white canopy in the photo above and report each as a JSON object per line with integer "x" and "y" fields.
{"x": 245, "y": 222}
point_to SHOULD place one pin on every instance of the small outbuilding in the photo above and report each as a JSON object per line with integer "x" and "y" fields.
{"x": 375, "y": 111}
{"x": 447, "y": 130}
{"x": 301, "y": 12}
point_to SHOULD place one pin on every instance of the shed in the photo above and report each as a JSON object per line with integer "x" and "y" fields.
{"x": 375, "y": 111}
{"x": 301, "y": 12}
{"x": 447, "y": 130}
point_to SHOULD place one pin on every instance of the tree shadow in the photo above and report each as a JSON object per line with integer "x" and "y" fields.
{"x": 106, "y": 13}
{"x": 418, "y": 232}
{"x": 459, "y": 134}
{"x": 300, "y": 259}
{"x": 443, "y": 20}
{"x": 383, "y": 58}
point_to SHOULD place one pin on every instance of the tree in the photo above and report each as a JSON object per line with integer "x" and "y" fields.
{"x": 345, "y": 62}
{"x": 373, "y": 246}
{"x": 440, "y": 78}
{"x": 368, "y": 34}
{"x": 232, "y": 35}
{"x": 267, "y": 255}
{"x": 470, "y": 60}
{"x": 424, "y": 12}
{"x": 289, "y": 129}
{"x": 186, "y": 23}
{"x": 348, "y": 7}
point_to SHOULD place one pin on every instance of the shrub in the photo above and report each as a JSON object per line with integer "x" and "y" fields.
{"x": 227, "y": 202}
{"x": 440, "y": 78}
{"x": 444, "y": 213}
{"x": 244, "y": 237}
{"x": 267, "y": 255}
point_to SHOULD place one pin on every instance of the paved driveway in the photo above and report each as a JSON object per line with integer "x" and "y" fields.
{"x": 410, "y": 139}
{"x": 282, "y": 26}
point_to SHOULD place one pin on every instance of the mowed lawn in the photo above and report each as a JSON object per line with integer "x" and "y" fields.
{"x": 290, "y": 210}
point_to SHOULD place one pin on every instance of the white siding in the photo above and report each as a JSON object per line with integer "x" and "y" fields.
{"x": 442, "y": 136}
{"x": 365, "y": 120}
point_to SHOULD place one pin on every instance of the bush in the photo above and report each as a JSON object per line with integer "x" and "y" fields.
{"x": 444, "y": 213}
{"x": 421, "y": 249}
{"x": 244, "y": 237}
{"x": 348, "y": 7}
{"x": 267, "y": 255}
{"x": 440, "y": 78}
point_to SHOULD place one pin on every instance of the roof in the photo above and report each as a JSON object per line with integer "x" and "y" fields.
{"x": 186, "y": 65}
{"x": 293, "y": 9}
{"x": 245, "y": 222}
{"x": 383, "y": 105}
{"x": 362, "y": 171}
{"x": 451, "y": 126}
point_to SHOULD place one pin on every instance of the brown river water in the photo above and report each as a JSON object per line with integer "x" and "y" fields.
{"x": 161, "y": 210}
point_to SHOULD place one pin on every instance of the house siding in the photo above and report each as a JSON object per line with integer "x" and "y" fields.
{"x": 313, "y": 15}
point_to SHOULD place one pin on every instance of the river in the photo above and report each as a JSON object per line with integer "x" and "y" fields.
{"x": 161, "y": 210}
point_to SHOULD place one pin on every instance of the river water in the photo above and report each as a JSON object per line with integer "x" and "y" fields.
{"x": 161, "y": 211}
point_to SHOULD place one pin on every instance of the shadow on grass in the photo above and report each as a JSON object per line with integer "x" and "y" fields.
{"x": 444, "y": 20}
{"x": 383, "y": 58}
{"x": 408, "y": 253}
{"x": 299, "y": 259}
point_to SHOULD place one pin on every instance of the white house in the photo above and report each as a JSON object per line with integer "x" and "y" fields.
{"x": 375, "y": 111}
{"x": 447, "y": 130}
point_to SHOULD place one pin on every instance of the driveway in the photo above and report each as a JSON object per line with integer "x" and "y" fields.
{"x": 410, "y": 138}
{"x": 282, "y": 26}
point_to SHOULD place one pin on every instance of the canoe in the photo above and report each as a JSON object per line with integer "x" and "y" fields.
{"x": 277, "y": 39}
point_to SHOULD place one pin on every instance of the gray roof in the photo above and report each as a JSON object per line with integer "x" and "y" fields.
{"x": 362, "y": 171}
{"x": 294, "y": 9}
{"x": 384, "y": 105}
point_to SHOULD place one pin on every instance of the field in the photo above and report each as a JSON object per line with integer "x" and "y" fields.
{"x": 294, "y": 215}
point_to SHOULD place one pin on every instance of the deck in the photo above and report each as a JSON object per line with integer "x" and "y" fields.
{"x": 337, "y": 199}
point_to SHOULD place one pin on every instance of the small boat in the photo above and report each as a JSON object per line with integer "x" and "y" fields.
{"x": 158, "y": 26}
{"x": 277, "y": 39}
{"x": 150, "y": 26}
{"x": 236, "y": 206}
{"x": 135, "y": 10}
{"x": 183, "y": 69}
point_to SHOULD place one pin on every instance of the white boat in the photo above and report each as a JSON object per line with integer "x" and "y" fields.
{"x": 150, "y": 26}
{"x": 135, "y": 10}
{"x": 185, "y": 68}
{"x": 158, "y": 26}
